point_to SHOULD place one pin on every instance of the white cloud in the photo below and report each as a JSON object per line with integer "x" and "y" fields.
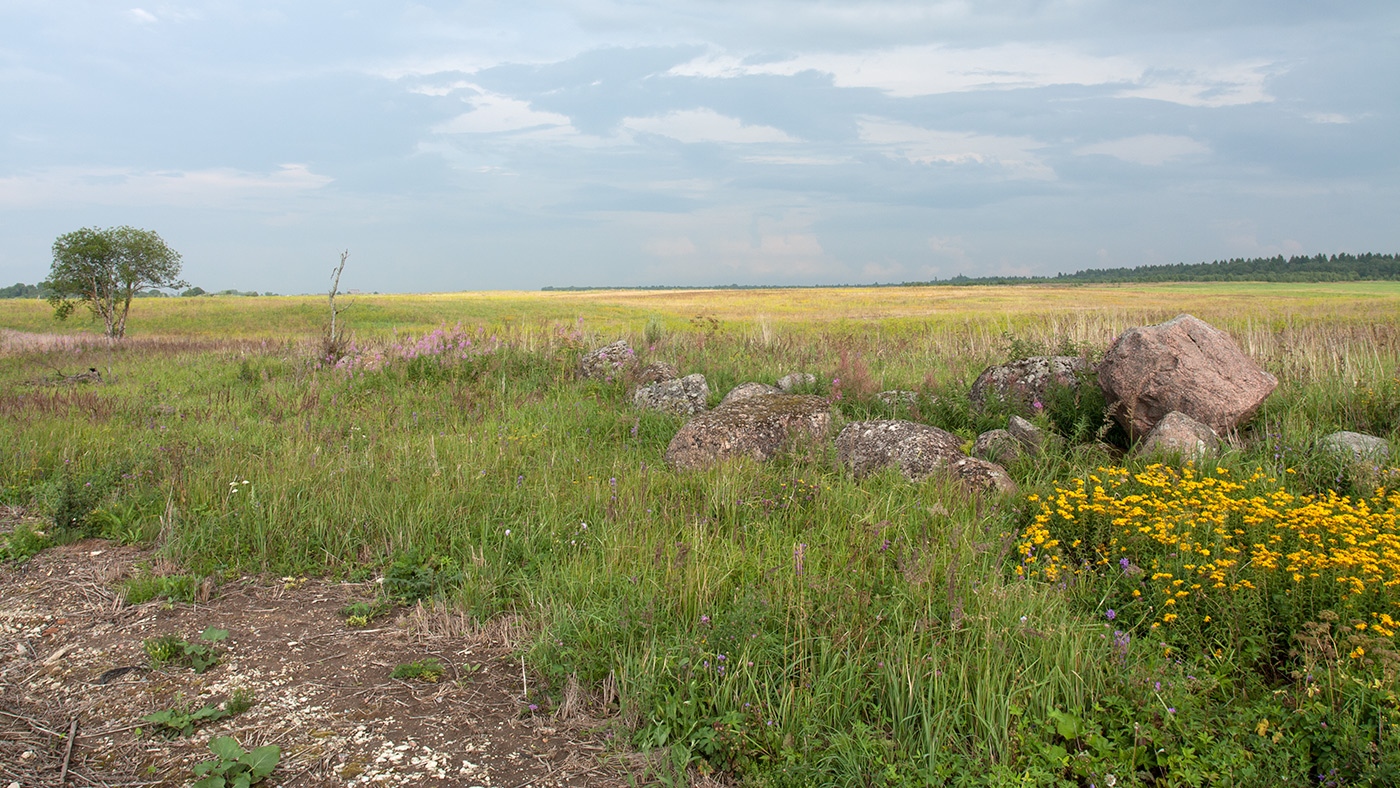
{"x": 799, "y": 160}
{"x": 706, "y": 125}
{"x": 1329, "y": 117}
{"x": 493, "y": 113}
{"x": 1016, "y": 155}
{"x": 933, "y": 69}
{"x": 142, "y": 16}
{"x": 1225, "y": 85}
{"x": 126, "y": 187}
{"x": 1150, "y": 149}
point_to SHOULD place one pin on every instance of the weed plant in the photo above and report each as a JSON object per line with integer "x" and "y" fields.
{"x": 782, "y": 622}
{"x": 173, "y": 650}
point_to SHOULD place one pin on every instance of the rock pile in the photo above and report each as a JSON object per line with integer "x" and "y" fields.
{"x": 1176, "y": 387}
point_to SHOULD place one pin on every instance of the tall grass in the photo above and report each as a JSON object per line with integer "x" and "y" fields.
{"x": 780, "y": 620}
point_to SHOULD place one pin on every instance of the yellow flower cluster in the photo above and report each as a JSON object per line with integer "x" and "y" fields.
{"x": 1200, "y": 540}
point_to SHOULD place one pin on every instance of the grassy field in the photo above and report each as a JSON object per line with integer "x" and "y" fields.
{"x": 782, "y": 622}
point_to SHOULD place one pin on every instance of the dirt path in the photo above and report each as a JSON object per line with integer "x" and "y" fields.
{"x": 323, "y": 690}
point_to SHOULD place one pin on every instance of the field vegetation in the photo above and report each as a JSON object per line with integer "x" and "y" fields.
{"x": 1121, "y": 621}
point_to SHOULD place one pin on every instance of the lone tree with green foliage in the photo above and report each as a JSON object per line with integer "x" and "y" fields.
{"x": 105, "y": 269}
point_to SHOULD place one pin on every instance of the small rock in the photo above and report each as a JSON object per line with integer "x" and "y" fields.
{"x": 609, "y": 362}
{"x": 746, "y": 390}
{"x": 680, "y": 396}
{"x": 1023, "y": 382}
{"x": 1029, "y": 435}
{"x": 998, "y": 446}
{"x": 1181, "y": 435}
{"x": 1357, "y": 446}
{"x": 796, "y": 380}
{"x": 897, "y": 397}
{"x": 655, "y": 372}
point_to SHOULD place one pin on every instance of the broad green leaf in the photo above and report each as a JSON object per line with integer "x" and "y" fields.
{"x": 212, "y": 781}
{"x": 1067, "y": 725}
{"x": 212, "y": 635}
{"x": 262, "y": 760}
{"x": 226, "y": 747}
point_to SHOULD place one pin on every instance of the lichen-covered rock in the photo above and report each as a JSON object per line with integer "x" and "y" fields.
{"x": 1183, "y": 365}
{"x": 919, "y": 451}
{"x": 756, "y": 427}
{"x": 796, "y": 380}
{"x": 1029, "y": 435}
{"x": 867, "y": 446}
{"x": 1181, "y": 435}
{"x": 746, "y": 390}
{"x": 609, "y": 362}
{"x": 1023, "y": 382}
{"x": 681, "y": 396}
{"x": 897, "y": 397}
{"x": 981, "y": 476}
{"x": 998, "y": 446}
{"x": 655, "y": 372}
{"x": 1357, "y": 446}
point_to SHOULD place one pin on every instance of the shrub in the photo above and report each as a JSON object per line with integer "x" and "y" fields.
{"x": 412, "y": 577}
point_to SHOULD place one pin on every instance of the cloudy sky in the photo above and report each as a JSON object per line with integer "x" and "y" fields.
{"x": 490, "y": 145}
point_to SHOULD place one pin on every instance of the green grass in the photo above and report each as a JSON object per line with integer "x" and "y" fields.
{"x": 781, "y": 621}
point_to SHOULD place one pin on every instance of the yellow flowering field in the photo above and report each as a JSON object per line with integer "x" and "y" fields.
{"x": 1195, "y": 552}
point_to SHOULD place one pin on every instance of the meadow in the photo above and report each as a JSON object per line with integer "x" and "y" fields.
{"x": 1121, "y": 621}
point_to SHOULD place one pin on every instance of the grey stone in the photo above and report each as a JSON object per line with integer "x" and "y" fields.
{"x": 1357, "y": 446}
{"x": 681, "y": 396}
{"x": 610, "y": 362}
{"x": 746, "y": 390}
{"x": 1180, "y": 435}
{"x": 896, "y": 397}
{"x": 998, "y": 446}
{"x": 919, "y": 451}
{"x": 756, "y": 427}
{"x": 1025, "y": 381}
{"x": 655, "y": 372}
{"x": 1029, "y": 435}
{"x": 796, "y": 380}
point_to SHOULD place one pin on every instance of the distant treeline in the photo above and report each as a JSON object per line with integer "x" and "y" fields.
{"x": 1317, "y": 268}
{"x": 21, "y": 290}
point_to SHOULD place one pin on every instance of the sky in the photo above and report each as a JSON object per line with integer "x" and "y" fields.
{"x": 517, "y": 145}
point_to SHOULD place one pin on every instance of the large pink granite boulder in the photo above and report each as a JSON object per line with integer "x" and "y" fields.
{"x": 1184, "y": 365}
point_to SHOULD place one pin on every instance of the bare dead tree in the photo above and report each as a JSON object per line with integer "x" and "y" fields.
{"x": 334, "y": 341}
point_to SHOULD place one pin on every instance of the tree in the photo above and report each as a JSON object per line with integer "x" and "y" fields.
{"x": 105, "y": 269}
{"x": 335, "y": 344}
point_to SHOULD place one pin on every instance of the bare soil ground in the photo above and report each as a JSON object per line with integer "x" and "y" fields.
{"x": 323, "y": 690}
